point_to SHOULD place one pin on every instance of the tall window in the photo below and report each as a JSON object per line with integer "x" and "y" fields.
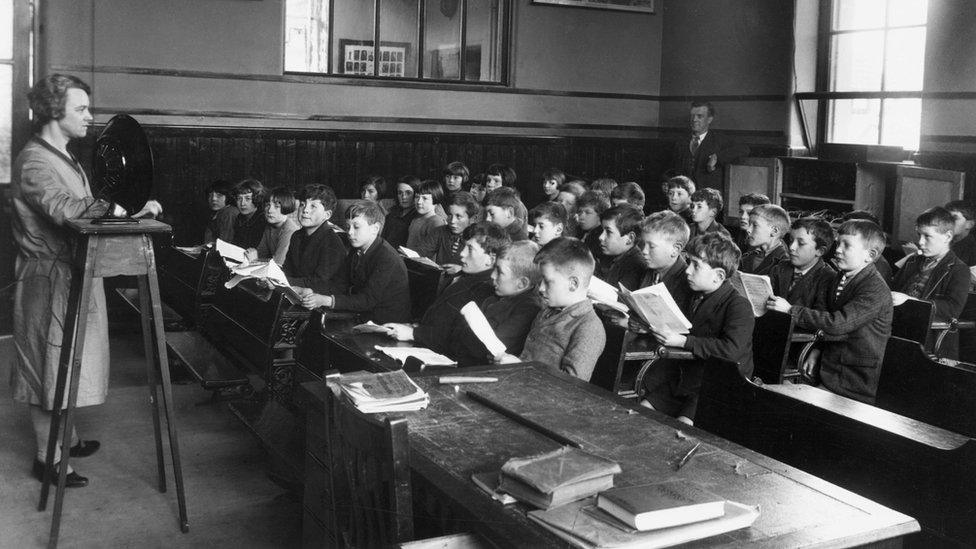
{"x": 876, "y": 59}
{"x": 6, "y": 87}
{"x": 440, "y": 40}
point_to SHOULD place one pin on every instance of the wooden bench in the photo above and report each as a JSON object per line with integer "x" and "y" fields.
{"x": 915, "y": 385}
{"x": 916, "y": 468}
{"x": 187, "y": 281}
{"x": 190, "y": 349}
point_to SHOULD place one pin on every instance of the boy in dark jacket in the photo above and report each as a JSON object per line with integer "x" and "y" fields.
{"x": 721, "y": 327}
{"x": 768, "y": 225}
{"x": 859, "y": 307}
{"x": 620, "y": 244}
{"x": 805, "y": 279}
{"x": 316, "y": 257}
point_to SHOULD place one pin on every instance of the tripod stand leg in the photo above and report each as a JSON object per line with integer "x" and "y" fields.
{"x": 68, "y": 338}
{"x": 149, "y": 347}
{"x": 78, "y": 353}
{"x": 159, "y": 337}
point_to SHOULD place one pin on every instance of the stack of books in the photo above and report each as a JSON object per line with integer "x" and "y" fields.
{"x": 374, "y": 393}
{"x": 654, "y": 515}
{"x": 556, "y": 478}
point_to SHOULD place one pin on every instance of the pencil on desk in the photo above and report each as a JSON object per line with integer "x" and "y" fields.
{"x": 465, "y": 379}
{"x": 518, "y": 418}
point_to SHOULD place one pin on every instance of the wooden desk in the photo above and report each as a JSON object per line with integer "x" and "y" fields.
{"x": 328, "y": 343}
{"x": 456, "y": 437}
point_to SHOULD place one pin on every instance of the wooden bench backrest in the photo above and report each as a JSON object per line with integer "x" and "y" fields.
{"x": 424, "y": 283}
{"x": 912, "y": 320}
{"x": 771, "y": 345}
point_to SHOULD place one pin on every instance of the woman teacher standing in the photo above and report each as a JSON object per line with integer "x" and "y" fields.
{"x": 49, "y": 187}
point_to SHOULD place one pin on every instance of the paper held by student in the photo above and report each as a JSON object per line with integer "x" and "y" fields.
{"x": 232, "y": 255}
{"x": 410, "y": 254}
{"x": 426, "y": 356}
{"x": 601, "y": 292}
{"x": 482, "y": 329}
{"x": 756, "y": 288}
{"x": 655, "y": 306}
{"x": 269, "y": 272}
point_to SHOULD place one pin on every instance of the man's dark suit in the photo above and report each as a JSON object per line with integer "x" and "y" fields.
{"x": 696, "y": 166}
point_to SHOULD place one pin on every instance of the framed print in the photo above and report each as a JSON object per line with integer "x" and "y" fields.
{"x": 357, "y": 58}
{"x": 644, "y": 6}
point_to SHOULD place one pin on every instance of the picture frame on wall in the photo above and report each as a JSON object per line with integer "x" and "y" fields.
{"x": 642, "y": 6}
{"x": 358, "y": 58}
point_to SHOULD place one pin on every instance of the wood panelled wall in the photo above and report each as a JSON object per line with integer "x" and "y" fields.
{"x": 188, "y": 159}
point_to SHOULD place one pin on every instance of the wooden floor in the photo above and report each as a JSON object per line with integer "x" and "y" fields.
{"x": 230, "y": 500}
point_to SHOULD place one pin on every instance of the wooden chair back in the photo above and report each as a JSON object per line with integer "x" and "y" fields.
{"x": 370, "y": 472}
{"x": 967, "y": 330}
{"x": 913, "y": 384}
{"x": 424, "y": 283}
{"x": 771, "y": 346}
{"x": 912, "y": 320}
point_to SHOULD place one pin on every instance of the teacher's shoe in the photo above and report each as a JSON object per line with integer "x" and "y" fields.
{"x": 84, "y": 448}
{"x": 72, "y": 480}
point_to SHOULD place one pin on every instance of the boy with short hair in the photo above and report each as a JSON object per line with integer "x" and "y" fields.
{"x": 859, "y": 306}
{"x": 510, "y": 311}
{"x": 721, "y": 327}
{"x": 589, "y": 208}
{"x": 482, "y": 244}
{"x": 316, "y": 258}
{"x": 502, "y": 210}
{"x": 547, "y": 221}
{"x": 679, "y": 190}
{"x": 768, "y": 225}
{"x": 747, "y": 203}
{"x": 619, "y": 243}
{"x": 378, "y": 285}
{"x": 963, "y": 239}
{"x": 628, "y": 193}
{"x": 805, "y": 279}
{"x": 934, "y": 273}
{"x": 566, "y": 335}
{"x": 462, "y": 211}
{"x": 706, "y": 205}
{"x": 665, "y": 235}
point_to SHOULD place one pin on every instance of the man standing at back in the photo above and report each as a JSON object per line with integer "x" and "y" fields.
{"x": 704, "y": 155}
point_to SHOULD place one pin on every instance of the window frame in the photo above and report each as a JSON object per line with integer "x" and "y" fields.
{"x": 823, "y": 96}
{"x": 22, "y": 70}
{"x": 410, "y": 81}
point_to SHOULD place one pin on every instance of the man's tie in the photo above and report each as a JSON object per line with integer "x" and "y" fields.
{"x": 695, "y": 143}
{"x": 796, "y": 278}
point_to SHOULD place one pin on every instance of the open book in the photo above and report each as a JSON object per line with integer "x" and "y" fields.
{"x": 602, "y": 293}
{"x": 655, "y": 306}
{"x": 269, "y": 272}
{"x": 410, "y": 254}
{"x": 756, "y": 288}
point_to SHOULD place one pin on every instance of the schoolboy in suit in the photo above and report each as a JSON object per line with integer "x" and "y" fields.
{"x": 747, "y": 202}
{"x": 378, "y": 287}
{"x": 510, "y": 311}
{"x": 482, "y": 243}
{"x": 706, "y": 205}
{"x": 665, "y": 235}
{"x": 679, "y": 190}
{"x": 935, "y": 273}
{"x": 963, "y": 239}
{"x": 859, "y": 306}
{"x": 620, "y": 244}
{"x": 547, "y": 221}
{"x": 806, "y": 278}
{"x": 565, "y": 335}
{"x": 316, "y": 258}
{"x": 768, "y": 225}
{"x": 721, "y": 327}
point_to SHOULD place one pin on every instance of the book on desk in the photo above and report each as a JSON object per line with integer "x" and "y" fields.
{"x": 554, "y": 478}
{"x": 382, "y": 392}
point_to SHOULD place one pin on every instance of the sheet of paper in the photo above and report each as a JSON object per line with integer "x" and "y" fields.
{"x": 422, "y": 354}
{"x": 408, "y": 252}
{"x": 482, "y": 329}
{"x": 230, "y": 252}
{"x": 758, "y": 290}
{"x": 370, "y": 327}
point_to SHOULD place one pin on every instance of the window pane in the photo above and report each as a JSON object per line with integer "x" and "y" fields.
{"x": 6, "y": 29}
{"x": 353, "y": 39}
{"x": 306, "y": 35}
{"x": 905, "y": 59}
{"x": 902, "y": 123}
{"x": 6, "y": 87}
{"x": 482, "y": 58}
{"x": 859, "y": 14}
{"x": 442, "y": 39}
{"x": 398, "y": 38}
{"x": 907, "y": 12}
{"x": 857, "y": 61}
{"x": 855, "y": 121}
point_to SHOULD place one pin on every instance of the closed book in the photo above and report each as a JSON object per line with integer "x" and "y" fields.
{"x": 660, "y": 505}
{"x": 558, "y": 496}
{"x": 567, "y": 465}
{"x": 489, "y": 483}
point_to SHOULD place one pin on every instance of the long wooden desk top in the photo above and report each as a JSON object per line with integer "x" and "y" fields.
{"x": 456, "y": 437}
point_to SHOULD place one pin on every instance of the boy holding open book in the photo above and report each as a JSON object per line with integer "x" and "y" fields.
{"x": 721, "y": 327}
{"x": 665, "y": 235}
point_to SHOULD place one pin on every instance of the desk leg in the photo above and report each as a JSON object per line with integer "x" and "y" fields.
{"x": 159, "y": 337}
{"x": 77, "y": 353}
{"x": 146, "y": 312}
